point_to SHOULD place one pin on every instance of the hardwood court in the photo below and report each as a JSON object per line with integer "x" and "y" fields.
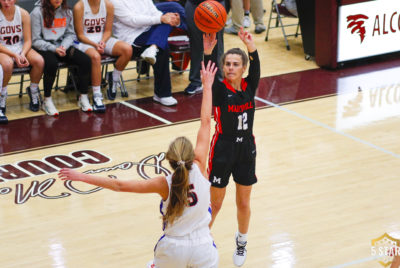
{"x": 327, "y": 164}
{"x": 319, "y": 191}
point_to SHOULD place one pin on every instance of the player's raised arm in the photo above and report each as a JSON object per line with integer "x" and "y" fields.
{"x": 203, "y": 136}
{"x": 247, "y": 39}
{"x": 209, "y": 42}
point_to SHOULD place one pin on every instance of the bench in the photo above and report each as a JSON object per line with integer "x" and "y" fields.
{"x": 177, "y": 47}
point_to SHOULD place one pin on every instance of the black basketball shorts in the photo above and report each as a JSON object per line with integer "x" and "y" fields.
{"x": 236, "y": 156}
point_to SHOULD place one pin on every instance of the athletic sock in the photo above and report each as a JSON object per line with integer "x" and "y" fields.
{"x": 96, "y": 89}
{"x": 33, "y": 87}
{"x": 242, "y": 238}
{"x": 3, "y": 90}
{"x": 116, "y": 75}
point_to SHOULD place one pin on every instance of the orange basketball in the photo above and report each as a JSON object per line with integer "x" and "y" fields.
{"x": 210, "y": 16}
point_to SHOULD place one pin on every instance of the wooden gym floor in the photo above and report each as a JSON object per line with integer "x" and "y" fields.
{"x": 328, "y": 166}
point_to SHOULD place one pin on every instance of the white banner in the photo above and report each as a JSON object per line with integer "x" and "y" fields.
{"x": 368, "y": 29}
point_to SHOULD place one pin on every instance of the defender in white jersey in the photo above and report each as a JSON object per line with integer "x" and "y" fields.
{"x": 93, "y": 21}
{"x": 15, "y": 50}
{"x": 185, "y": 193}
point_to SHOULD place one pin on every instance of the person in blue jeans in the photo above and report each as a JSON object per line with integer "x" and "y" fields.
{"x": 146, "y": 26}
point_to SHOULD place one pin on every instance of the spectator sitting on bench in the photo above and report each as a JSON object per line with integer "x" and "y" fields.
{"x": 52, "y": 36}
{"x": 93, "y": 21}
{"x": 146, "y": 27}
{"x": 15, "y": 50}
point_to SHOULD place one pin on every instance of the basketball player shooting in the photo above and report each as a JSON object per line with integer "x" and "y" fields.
{"x": 233, "y": 149}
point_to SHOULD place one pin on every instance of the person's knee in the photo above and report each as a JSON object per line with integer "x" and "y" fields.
{"x": 243, "y": 204}
{"x": 95, "y": 59}
{"x": 216, "y": 207}
{"x": 126, "y": 51}
{"x": 170, "y": 7}
{"x": 8, "y": 64}
{"x": 85, "y": 63}
{"x": 37, "y": 62}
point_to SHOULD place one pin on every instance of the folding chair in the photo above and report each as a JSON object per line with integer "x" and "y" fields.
{"x": 281, "y": 12}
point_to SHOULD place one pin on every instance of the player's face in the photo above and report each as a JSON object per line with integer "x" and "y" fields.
{"x": 5, "y": 4}
{"x": 233, "y": 67}
{"x": 56, "y": 3}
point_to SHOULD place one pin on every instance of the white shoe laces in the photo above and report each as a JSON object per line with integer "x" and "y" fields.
{"x": 35, "y": 98}
{"x": 98, "y": 99}
{"x": 3, "y": 99}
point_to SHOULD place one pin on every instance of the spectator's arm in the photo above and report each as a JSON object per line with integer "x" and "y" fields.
{"x": 132, "y": 19}
{"x": 69, "y": 35}
{"x": 36, "y": 26}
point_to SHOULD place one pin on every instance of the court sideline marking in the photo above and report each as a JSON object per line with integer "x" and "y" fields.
{"x": 343, "y": 134}
{"x": 356, "y": 262}
{"x": 315, "y": 122}
{"x": 146, "y": 112}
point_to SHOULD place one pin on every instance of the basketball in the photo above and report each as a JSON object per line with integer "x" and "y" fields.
{"x": 210, "y": 16}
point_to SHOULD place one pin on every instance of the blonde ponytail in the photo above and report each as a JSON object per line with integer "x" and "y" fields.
{"x": 180, "y": 156}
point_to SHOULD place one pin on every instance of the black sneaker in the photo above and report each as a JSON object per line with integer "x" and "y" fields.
{"x": 3, "y": 118}
{"x": 34, "y": 100}
{"x": 191, "y": 89}
{"x": 111, "y": 89}
{"x": 3, "y": 100}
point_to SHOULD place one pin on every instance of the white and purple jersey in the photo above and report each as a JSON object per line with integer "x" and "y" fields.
{"x": 197, "y": 216}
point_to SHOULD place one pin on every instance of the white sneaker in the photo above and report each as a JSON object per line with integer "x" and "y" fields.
{"x": 150, "y": 264}
{"x": 84, "y": 103}
{"x": 167, "y": 101}
{"x": 149, "y": 54}
{"x": 49, "y": 108}
{"x": 246, "y": 21}
{"x": 240, "y": 254}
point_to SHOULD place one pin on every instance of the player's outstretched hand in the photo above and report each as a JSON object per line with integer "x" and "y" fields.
{"x": 207, "y": 74}
{"x": 209, "y": 42}
{"x": 69, "y": 174}
{"x": 247, "y": 39}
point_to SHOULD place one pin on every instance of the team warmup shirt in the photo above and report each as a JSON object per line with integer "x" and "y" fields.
{"x": 11, "y": 33}
{"x": 234, "y": 110}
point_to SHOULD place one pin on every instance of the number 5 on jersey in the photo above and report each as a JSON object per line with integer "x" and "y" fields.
{"x": 192, "y": 196}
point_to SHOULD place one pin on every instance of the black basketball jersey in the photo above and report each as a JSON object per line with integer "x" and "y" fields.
{"x": 234, "y": 110}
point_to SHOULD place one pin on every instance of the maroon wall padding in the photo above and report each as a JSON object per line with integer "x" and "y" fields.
{"x": 326, "y": 20}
